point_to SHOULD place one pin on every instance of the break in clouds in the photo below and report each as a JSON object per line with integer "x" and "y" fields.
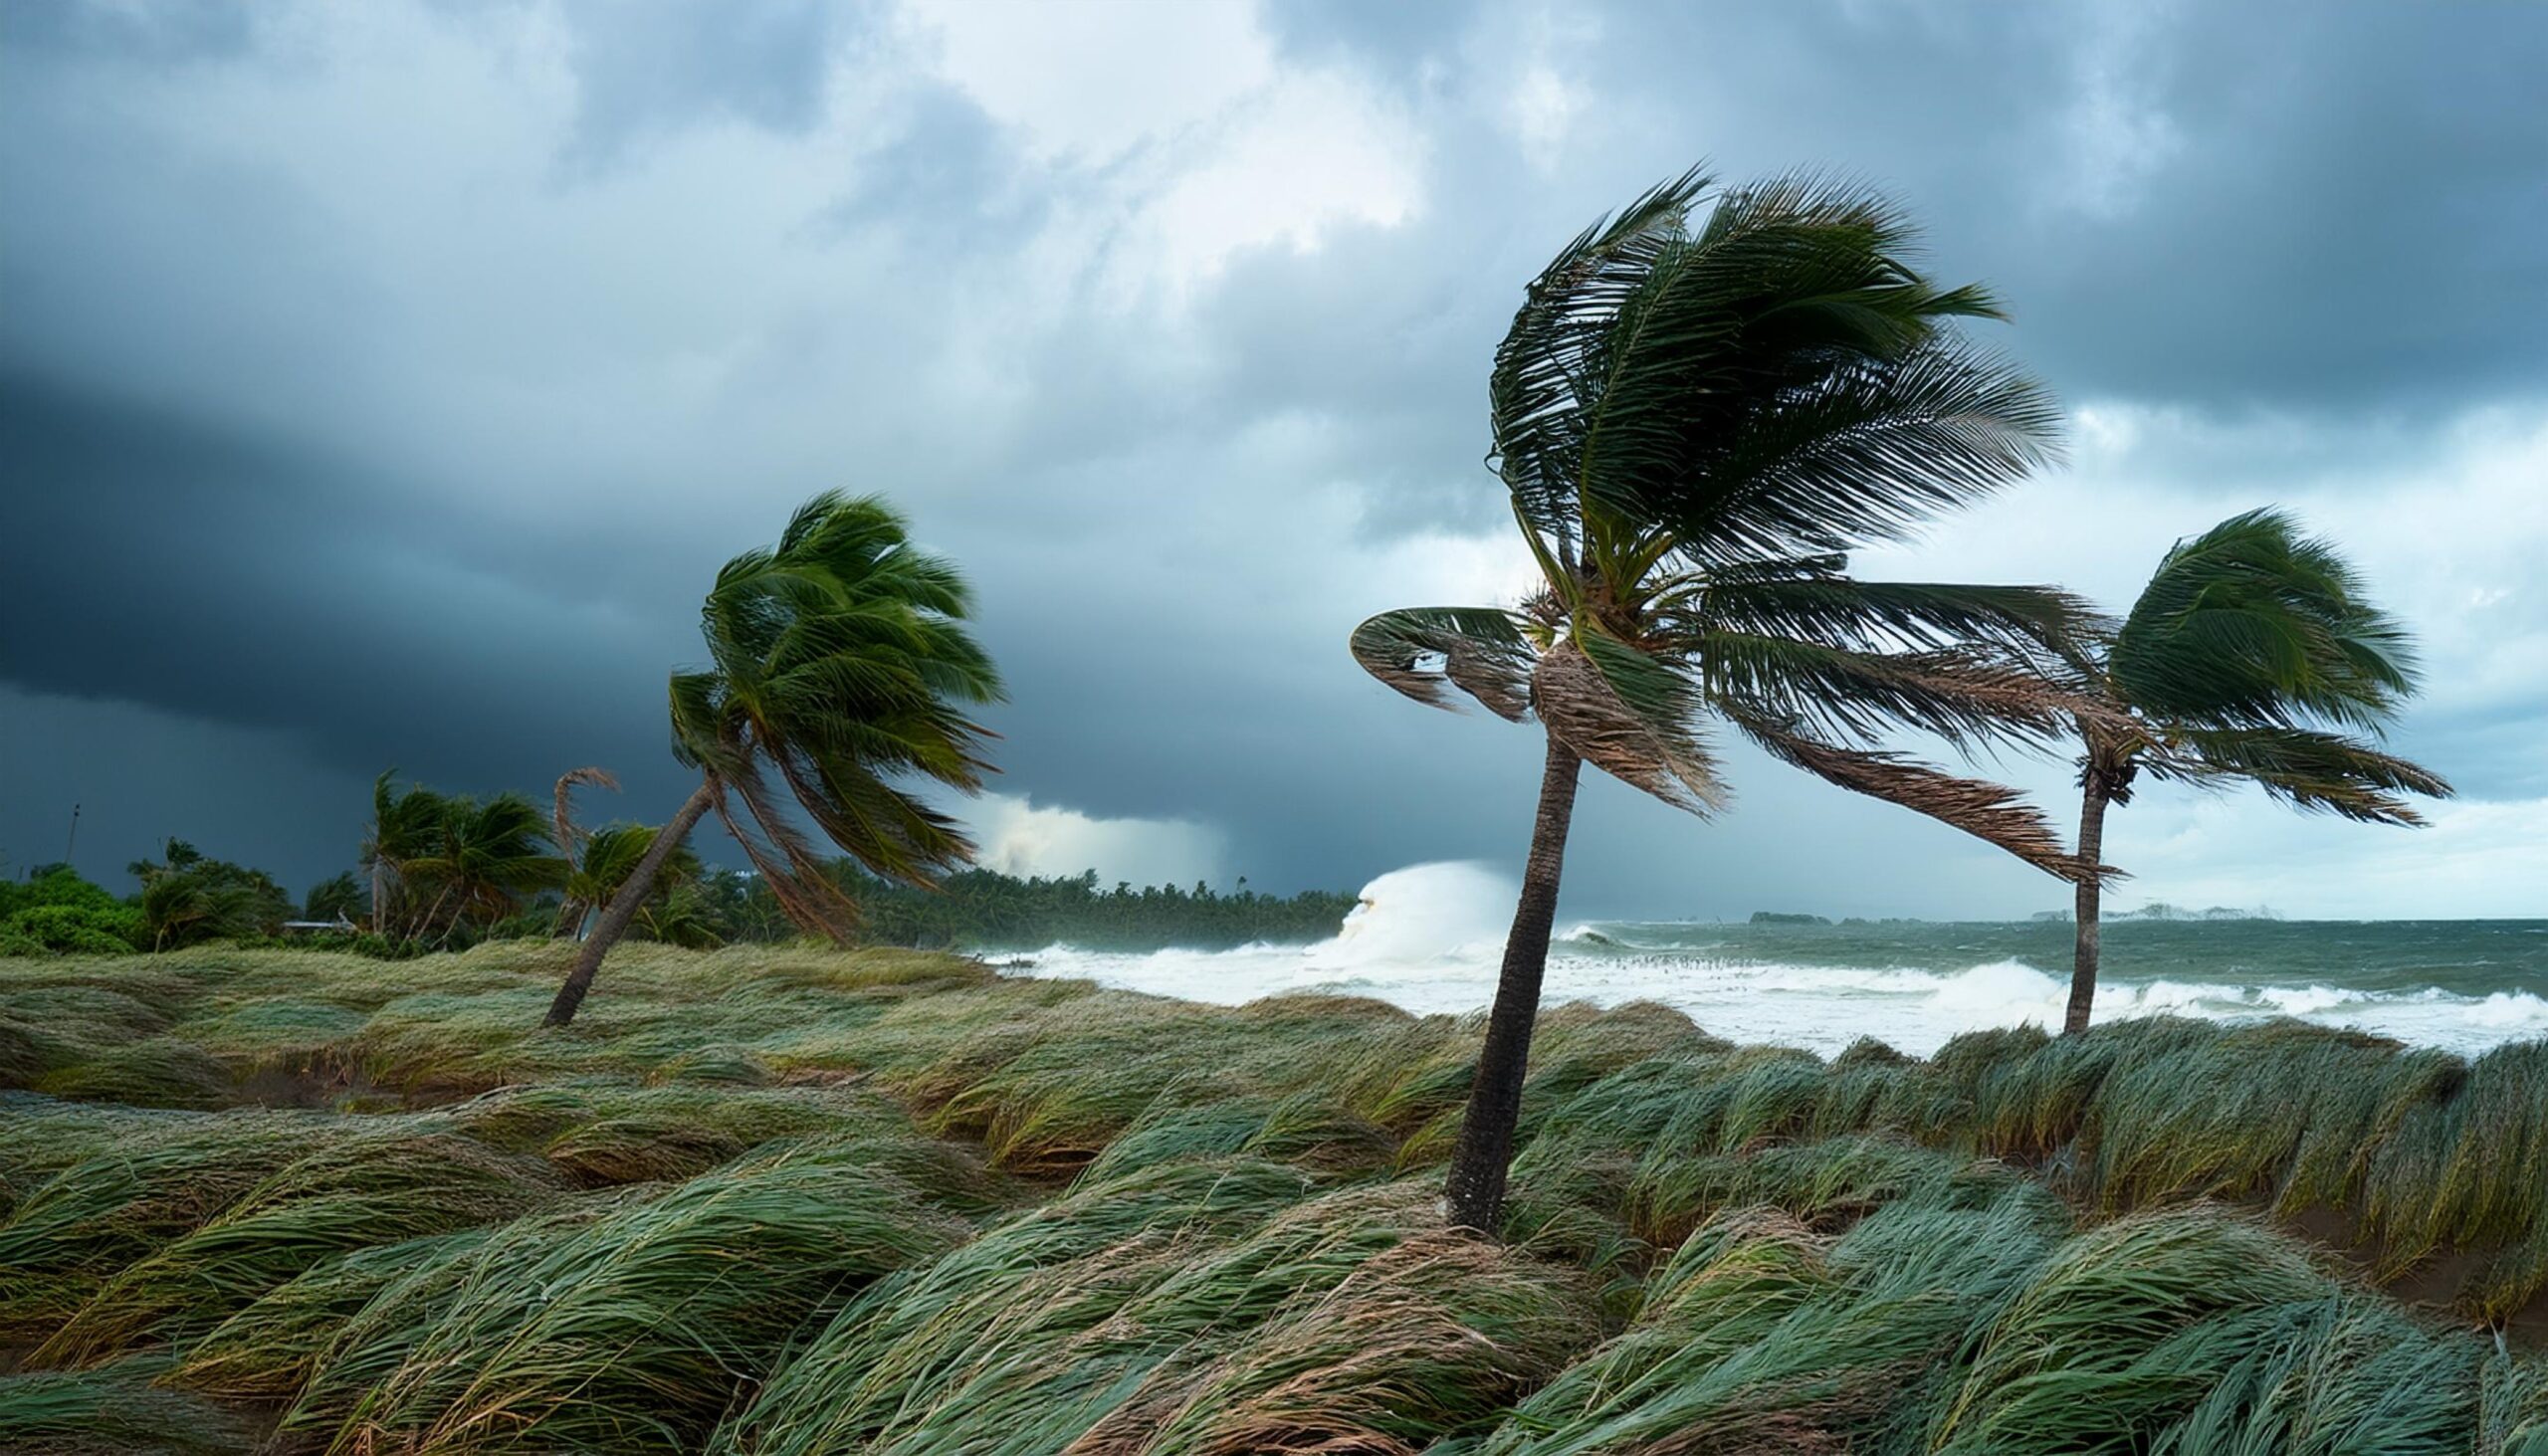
{"x": 381, "y": 384}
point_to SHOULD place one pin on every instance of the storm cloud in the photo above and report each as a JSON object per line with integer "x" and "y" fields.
{"x": 381, "y": 385}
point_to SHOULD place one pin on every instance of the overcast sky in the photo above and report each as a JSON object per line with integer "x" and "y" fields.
{"x": 383, "y": 383}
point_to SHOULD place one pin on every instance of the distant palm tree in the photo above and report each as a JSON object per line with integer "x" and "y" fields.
{"x": 2253, "y": 656}
{"x": 611, "y": 855}
{"x": 840, "y": 664}
{"x": 337, "y": 898}
{"x": 1694, "y": 427}
{"x": 404, "y": 828}
{"x": 482, "y": 858}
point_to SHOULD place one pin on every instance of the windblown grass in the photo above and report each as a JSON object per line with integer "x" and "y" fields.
{"x": 775, "y": 1202}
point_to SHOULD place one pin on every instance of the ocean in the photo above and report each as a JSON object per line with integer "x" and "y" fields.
{"x": 1429, "y": 939}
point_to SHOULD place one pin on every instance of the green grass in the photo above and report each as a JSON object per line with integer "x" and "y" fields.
{"x": 777, "y": 1201}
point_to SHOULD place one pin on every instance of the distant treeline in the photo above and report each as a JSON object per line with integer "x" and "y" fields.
{"x": 983, "y": 909}
{"x": 190, "y": 898}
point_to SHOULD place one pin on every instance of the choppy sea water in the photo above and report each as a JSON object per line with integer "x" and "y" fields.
{"x": 1429, "y": 939}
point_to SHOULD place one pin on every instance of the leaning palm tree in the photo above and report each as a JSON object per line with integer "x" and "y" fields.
{"x": 1694, "y": 426}
{"x": 841, "y": 668}
{"x": 2253, "y": 656}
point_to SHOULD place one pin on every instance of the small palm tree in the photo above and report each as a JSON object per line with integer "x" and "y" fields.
{"x": 611, "y": 855}
{"x": 484, "y": 857}
{"x": 1694, "y": 426}
{"x": 2252, "y": 656}
{"x": 840, "y": 665}
{"x": 404, "y": 828}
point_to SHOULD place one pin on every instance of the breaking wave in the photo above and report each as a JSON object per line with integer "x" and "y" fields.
{"x": 1429, "y": 937}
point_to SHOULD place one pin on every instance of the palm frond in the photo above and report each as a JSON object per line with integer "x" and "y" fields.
{"x": 1968, "y": 696}
{"x": 1810, "y": 598}
{"x": 1632, "y": 715}
{"x": 1421, "y": 651}
{"x": 569, "y": 838}
{"x": 2307, "y": 769}
{"x": 1867, "y": 450}
{"x": 1541, "y": 370}
{"x": 1777, "y": 383}
{"x": 2255, "y": 624}
{"x": 1991, "y": 812}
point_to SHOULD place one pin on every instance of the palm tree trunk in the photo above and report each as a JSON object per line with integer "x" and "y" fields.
{"x": 379, "y": 898}
{"x": 1475, "y": 1191}
{"x": 2084, "y": 957}
{"x": 623, "y": 908}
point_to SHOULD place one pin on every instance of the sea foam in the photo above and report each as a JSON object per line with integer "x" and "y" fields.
{"x": 1429, "y": 937}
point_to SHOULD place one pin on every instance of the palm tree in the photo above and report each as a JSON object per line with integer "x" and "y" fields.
{"x": 404, "y": 827}
{"x": 484, "y": 857}
{"x": 611, "y": 855}
{"x": 2253, "y": 656}
{"x": 1694, "y": 427}
{"x": 840, "y": 664}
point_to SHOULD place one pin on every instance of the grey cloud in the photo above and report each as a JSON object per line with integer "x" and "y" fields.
{"x": 270, "y": 492}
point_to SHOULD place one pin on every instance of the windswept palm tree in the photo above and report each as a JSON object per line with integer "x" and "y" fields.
{"x": 484, "y": 857}
{"x": 405, "y": 826}
{"x": 2253, "y": 656}
{"x": 1694, "y": 426}
{"x": 841, "y": 669}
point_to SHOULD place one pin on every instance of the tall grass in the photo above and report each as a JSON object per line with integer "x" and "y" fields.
{"x": 786, "y": 1201}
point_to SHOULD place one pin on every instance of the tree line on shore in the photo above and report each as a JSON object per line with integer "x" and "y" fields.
{"x": 199, "y": 899}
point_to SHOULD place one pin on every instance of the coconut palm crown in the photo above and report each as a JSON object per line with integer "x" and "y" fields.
{"x": 1694, "y": 425}
{"x": 2254, "y": 655}
{"x": 840, "y": 673}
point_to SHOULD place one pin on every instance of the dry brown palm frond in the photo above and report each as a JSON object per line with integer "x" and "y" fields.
{"x": 1652, "y": 749}
{"x": 1988, "y": 812}
{"x": 570, "y": 839}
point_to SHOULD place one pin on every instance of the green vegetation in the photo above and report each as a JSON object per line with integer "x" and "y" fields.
{"x": 764, "y": 1202}
{"x": 2253, "y": 656}
{"x": 1695, "y": 424}
{"x": 982, "y": 910}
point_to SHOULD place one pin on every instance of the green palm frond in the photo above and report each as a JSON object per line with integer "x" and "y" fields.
{"x": 1809, "y": 598}
{"x": 611, "y": 856}
{"x": 2253, "y": 623}
{"x": 1777, "y": 383}
{"x": 1423, "y": 651}
{"x": 2307, "y": 769}
{"x": 2256, "y": 654}
{"x": 1542, "y": 369}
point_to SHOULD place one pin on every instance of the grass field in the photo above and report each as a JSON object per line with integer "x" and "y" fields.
{"x": 796, "y": 1201}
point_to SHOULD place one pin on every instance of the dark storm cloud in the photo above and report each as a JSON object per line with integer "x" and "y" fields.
{"x": 409, "y": 459}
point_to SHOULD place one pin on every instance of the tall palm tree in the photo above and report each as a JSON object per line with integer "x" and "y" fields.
{"x": 1694, "y": 426}
{"x": 841, "y": 664}
{"x": 2255, "y": 656}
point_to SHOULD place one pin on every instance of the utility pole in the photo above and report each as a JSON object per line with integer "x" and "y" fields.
{"x": 73, "y": 842}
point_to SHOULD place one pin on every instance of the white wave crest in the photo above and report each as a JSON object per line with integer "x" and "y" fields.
{"x": 1429, "y": 937}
